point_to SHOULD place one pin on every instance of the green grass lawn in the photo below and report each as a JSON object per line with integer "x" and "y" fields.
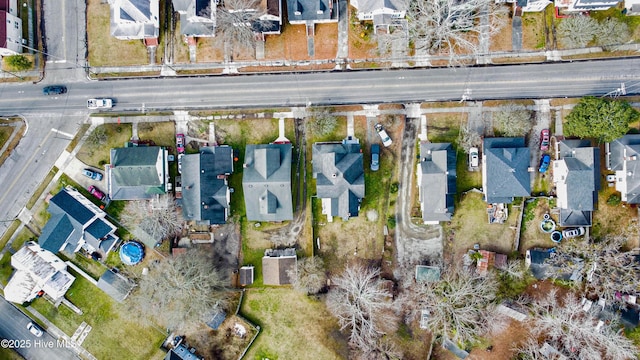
{"x": 5, "y": 268}
{"x": 162, "y": 133}
{"x": 466, "y": 180}
{"x": 9, "y": 233}
{"x": 24, "y": 236}
{"x": 117, "y": 135}
{"x": 9, "y": 354}
{"x": 114, "y": 334}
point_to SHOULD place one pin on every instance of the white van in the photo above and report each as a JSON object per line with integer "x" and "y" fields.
{"x": 386, "y": 140}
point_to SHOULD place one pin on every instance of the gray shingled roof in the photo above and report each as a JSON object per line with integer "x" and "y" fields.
{"x": 135, "y": 19}
{"x": 204, "y": 185}
{"x": 623, "y": 151}
{"x": 339, "y": 173}
{"x": 57, "y": 232}
{"x": 310, "y": 11}
{"x": 438, "y": 181}
{"x": 266, "y": 182}
{"x": 369, "y": 6}
{"x": 582, "y": 181}
{"x": 115, "y": 285}
{"x": 137, "y": 172}
{"x": 195, "y": 18}
{"x": 506, "y": 169}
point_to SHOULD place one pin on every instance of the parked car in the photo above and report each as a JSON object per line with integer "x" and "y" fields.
{"x": 34, "y": 329}
{"x": 375, "y": 157}
{"x": 180, "y": 143}
{"x": 570, "y": 233}
{"x": 92, "y": 174}
{"x": 54, "y": 90}
{"x": 544, "y": 139}
{"x": 386, "y": 140}
{"x": 180, "y": 163}
{"x": 474, "y": 158}
{"x": 96, "y": 192}
{"x": 544, "y": 163}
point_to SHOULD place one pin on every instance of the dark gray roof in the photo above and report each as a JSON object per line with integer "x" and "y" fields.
{"x": 582, "y": 181}
{"x": 438, "y": 181}
{"x": 246, "y": 275}
{"x": 204, "y": 184}
{"x": 71, "y": 221}
{"x": 541, "y": 269}
{"x": 506, "y": 169}
{"x": 195, "y": 18}
{"x": 625, "y": 155}
{"x": 311, "y": 11}
{"x": 266, "y": 182}
{"x": 369, "y": 6}
{"x": 339, "y": 173}
{"x": 115, "y": 285}
{"x": 180, "y": 352}
{"x": 137, "y": 172}
{"x": 217, "y": 318}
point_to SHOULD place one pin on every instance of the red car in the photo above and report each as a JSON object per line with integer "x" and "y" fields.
{"x": 96, "y": 192}
{"x": 544, "y": 140}
{"x": 180, "y": 143}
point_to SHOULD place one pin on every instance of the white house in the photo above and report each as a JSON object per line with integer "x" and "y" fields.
{"x": 10, "y": 28}
{"x": 381, "y": 12}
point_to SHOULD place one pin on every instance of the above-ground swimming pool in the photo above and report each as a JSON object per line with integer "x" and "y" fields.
{"x": 131, "y": 252}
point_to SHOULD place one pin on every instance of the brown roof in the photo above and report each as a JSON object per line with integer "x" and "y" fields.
{"x": 487, "y": 261}
{"x": 274, "y": 269}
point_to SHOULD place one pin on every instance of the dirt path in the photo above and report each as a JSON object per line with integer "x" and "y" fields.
{"x": 414, "y": 243}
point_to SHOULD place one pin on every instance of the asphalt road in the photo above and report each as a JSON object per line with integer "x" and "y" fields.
{"x": 348, "y": 87}
{"x": 14, "y": 334}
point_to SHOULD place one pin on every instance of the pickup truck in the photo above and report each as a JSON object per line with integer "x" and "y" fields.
{"x": 99, "y": 103}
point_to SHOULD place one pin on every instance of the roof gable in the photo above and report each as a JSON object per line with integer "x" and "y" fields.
{"x": 137, "y": 172}
{"x": 506, "y": 169}
{"x": 437, "y": 181}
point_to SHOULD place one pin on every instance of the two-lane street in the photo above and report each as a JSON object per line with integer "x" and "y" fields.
{"x": 14, "y": 333}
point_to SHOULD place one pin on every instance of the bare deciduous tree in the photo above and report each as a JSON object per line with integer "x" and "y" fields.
{"x": 97, "y": 137}
{"x": 460, "y": 306}
{"x": 180, "y": 290}
{"x": 612, "y": 31}
{"x": 362, "y": 305}
{"x": 512, "y": 121}
{"x": 577, "y": 31}
{"x": 452, "y": 27}
{"x": 320, "y": 121}
{"x": 237, "y": 22}
{"x": 606, "y": 266}
{"x": 309, "y": 276}
{"x": 158, "y": 217}
{"x": 468, "y": 138}
{"x": 575, "y": 333}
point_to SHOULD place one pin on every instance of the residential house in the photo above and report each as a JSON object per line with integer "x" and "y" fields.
{"x": 576, "y": 176}
{"x": 527, "y": 5}
{"x": 311, "y": 12}
{"x": 76, "y": 223}
{"x": 623, "y": 157}
{"x": 275, "y": 265}
{"x": 197, "y": 17}
{"x": 37, "y": 271}
{"x": 271, "y": 22}
{"x": 137, "y": 173}
{"x": 489, "y": 259}
{"x": 115, "y": 285}
{"x": 135, "y": 19}
{"x": 205, "y": 190}
{"x": 381, "y": 12}
{"x": 436, "y": 181}
{"x": 584, "y": 5}
{"x": 10, "y": 28}
{"x": 339, "y": 173}
{"x": 505, "y": 170}
{"x": 632, "y": 7}
{"x": 266, "y": 182}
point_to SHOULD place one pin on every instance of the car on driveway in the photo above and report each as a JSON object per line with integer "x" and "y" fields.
{"x": 474, "y": 158}
{"x": 544, "y": 139}
{"x": 180, "y": 163}
{"x": 375, "y": 157}
{"x": 386, "y": 140}
{"x": 96, "y": 192}
{"x": 180, "y": 143}
{"x": 544, "y": 163}
{"x": 570, "y": 233}
{"x": 54, "y": 90}
{"x": 92, "y": 174}
{"x": 34, "y": 329}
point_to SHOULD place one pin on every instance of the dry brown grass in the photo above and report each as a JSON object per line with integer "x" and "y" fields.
{"x": 612, "y": 219}
{"x": 533, "y": 37}
{"x": 162, "y": 133}
{"x": 117, "y": 135}
{"x": 470, "y": 226}
{"x": 291, "y": 44}
{"x": 444, "y": 127}
{"x": 341, "y": 241}
{"x": 105, "y": 49}
{"x": 294, "y": 326}
{"x": 501, "y": 41}
{"x": 221, "y": 343}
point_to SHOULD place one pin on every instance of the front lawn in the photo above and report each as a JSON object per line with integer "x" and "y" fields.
{"x": 5, "y": 268}
{"x": 162, "y": 133}
{"x": 98, "y": 155}
{"x": 294, "y": 326}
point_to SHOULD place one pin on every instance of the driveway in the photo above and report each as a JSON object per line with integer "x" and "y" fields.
{"x": 74, "y": 170}
{"x": 414, "y": 243}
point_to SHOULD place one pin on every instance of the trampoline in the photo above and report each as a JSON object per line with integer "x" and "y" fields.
{"x": 131, "y": 253}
